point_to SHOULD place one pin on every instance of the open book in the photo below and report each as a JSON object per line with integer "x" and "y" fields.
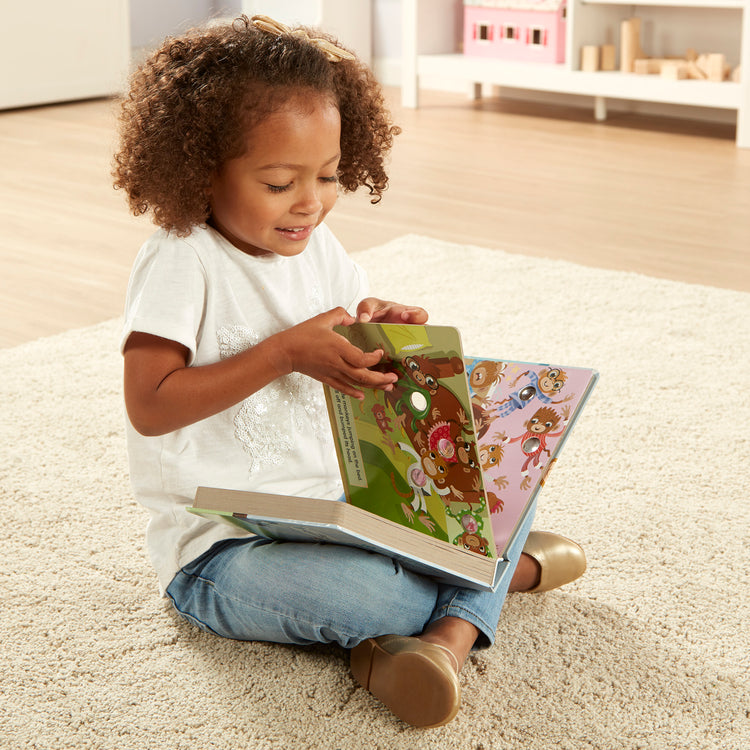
{"x": 439, "y": 472}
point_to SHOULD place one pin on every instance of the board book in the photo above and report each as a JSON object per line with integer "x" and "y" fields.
{"x": 438, "y": 472}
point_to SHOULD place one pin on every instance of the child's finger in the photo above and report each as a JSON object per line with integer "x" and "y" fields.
{"x": 366, "y": 377}
{"x": 367, "y": 309}
{"x": 345, "y": 388}
{"x": 354, "y": 357}
{"x": 381, "y": 314}
{"x": 336, "y": 317}
{"x": 414, "y": 315}
{"x": 356, "y": 367}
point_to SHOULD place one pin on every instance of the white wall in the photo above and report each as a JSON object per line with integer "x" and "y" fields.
{"x": 151, "y": 21}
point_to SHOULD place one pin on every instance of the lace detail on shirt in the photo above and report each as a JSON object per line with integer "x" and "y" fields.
{"x": 268, "y": 420}
{"x": 315, "y": 300}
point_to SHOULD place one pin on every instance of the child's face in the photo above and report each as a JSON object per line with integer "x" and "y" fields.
{"x": 271, "y": 198}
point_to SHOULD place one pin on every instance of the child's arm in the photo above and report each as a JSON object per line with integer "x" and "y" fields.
{"x": 163, "y": 394}
{"x": 373, "y": 310}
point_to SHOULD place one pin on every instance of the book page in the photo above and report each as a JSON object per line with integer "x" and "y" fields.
{"x": 416, "y": 443}
{"x": 522, "y": 414}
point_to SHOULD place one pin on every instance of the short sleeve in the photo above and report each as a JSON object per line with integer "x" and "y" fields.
{"x": 167, "y": 293}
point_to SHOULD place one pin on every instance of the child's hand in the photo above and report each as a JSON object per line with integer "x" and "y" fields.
{"x": 315, "y": 349}
{"x": 372, "y": 310}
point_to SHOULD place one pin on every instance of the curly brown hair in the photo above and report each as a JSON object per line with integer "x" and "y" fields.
{"x": 193, "y": 102}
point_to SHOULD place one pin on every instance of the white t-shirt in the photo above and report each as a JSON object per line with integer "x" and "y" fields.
{"x": 206, "y": 294}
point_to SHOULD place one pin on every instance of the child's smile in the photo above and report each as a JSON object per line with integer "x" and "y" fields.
{"x": 271, "y": 198}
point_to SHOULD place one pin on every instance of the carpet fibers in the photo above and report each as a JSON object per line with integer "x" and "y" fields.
{"x": 648, "y": 650}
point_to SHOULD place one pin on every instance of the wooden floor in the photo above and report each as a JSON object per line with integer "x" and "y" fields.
{"x": 668, "y": 198}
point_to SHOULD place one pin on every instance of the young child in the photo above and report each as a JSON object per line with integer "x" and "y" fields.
{"x": 238, "y": 138}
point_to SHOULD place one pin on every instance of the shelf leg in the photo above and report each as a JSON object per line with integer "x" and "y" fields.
{"x": 475, "y": 91}
{"x": 600, "y": 108}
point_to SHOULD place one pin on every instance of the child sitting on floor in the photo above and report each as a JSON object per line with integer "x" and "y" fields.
{"x": 238, "y": 138}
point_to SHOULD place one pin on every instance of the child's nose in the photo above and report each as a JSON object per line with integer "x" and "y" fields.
{"x": 309, "y": 200}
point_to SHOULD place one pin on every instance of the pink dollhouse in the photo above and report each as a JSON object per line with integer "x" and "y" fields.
{"x": 523, "y": 30}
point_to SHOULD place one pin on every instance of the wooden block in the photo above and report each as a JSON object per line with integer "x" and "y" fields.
{"x": 643, "y": 67}
{"x": 736, "y": 74}
{"x": 675, "y": 70}
{"x": 702, "y": 63}
{"x": 590, "y": 58}
{"x": 630, "y": 44}
{"x": 607, "y": 60}
{"x": 694, "y": 71}
{"x": 651, "y": 65}
{"x": 716, "y": 67}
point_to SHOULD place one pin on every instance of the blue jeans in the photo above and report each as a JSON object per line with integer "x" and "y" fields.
{"x": 287, "y": 592}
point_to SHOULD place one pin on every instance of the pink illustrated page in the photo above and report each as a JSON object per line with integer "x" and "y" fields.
{"x": 522, "y": 415}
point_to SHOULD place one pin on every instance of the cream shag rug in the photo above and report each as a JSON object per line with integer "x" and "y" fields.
{"x": 648, "y": 650}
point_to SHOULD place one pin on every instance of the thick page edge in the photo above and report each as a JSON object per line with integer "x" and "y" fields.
{"x": 213, "y": 502}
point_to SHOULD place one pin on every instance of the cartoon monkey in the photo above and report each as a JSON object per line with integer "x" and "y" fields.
{"x": 437, "y": 425}
{"x": 484, "y": 378}
{"x": 490, "y": 455}
{"x": 434, "y": 466}
{"x": 417, "y": 392}
{"x": 461, "y": 461}
{"x": 548, "y": 383}
{"x": 421, "y": 486}
{"x": 474, "y": 543}
{"x": 426, "y": 475}
{"x": 534, "y": 441}
{"x": 451, "y": 468}
{"x": 382, "y": 420}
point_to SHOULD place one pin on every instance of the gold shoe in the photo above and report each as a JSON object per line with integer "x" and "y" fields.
{"x": 561, "y": 559}
{"x": 416, "y": 680}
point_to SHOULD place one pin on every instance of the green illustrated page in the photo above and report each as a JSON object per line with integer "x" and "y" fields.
{"x": 411, "y": 454}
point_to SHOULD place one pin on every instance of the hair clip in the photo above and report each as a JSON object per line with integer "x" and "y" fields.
{"x": 330, "y": 50}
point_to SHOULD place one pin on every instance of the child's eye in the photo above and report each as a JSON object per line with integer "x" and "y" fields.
{"x": 333, "y": 178}
{"x": 278, "y": 188}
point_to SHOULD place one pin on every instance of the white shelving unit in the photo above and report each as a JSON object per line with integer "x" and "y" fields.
{"x": 670, "y": 27}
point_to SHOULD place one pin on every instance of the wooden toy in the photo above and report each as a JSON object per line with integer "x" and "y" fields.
{"x": 650, "y": 65}
{"x": 630, "y": 44}
{"x": 674, "y": 70}
{"x": 607, "y": 57}
{"x": 717, "y": 68}
{"x": 590, "y": 58}
{"x": 704, "y": 67}
{"x": 598, "y": 57}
